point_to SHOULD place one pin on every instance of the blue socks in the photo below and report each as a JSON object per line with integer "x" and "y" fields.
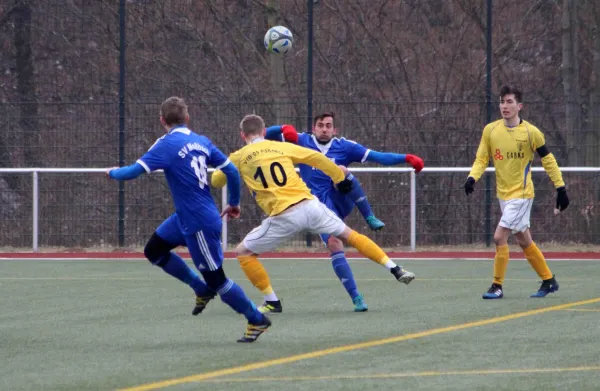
{"x": 233, "y": 295}
{"x": 177, "y": 268}
{"x": 230, "y": 292}
{"x": 344, "y": 273}
{"x": 359, "y": 197}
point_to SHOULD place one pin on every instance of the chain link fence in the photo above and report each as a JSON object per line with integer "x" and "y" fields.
{"x": 404, "y": 76}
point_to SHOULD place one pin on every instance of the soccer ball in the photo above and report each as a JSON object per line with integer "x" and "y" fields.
{"x": 278, "y": 40}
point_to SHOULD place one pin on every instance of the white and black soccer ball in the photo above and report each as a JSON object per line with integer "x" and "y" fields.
{"x": 278, "y": 40}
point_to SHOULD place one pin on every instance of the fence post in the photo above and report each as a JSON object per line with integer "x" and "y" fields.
{"x": 224, "y": 243}
{"x": 488, "y": 98}
{"x": 309, "y": 81}
{"x": 122, "y": 44}
{"x": 35, "y": 211}
{"x": 413, "y": 211}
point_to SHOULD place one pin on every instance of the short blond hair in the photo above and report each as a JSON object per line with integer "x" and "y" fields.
{"x": 252, "y": 124}
{"x": 174, "y": 111}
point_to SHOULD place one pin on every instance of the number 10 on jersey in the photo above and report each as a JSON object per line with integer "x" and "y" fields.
{"x": 259, "y": 174}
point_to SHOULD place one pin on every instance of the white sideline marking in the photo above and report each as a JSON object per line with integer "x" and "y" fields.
{"x": 290, "y": 259}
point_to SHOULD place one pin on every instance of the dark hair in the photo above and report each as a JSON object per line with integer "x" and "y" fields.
{"x": 252, "y": 124}
{"x": 507, "y": 90}
{"x": 174, "y": 111}
{"x": 324, "y": 115}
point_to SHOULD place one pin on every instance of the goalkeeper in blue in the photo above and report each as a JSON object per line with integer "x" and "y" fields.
{"x": 184, "y": 156}
{"x": 342, "y": 152}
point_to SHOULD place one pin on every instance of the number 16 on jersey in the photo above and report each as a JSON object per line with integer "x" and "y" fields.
{"x": 199, "y": 165}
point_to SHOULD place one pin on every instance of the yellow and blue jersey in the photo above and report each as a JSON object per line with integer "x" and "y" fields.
{"x": 512, "y": 150}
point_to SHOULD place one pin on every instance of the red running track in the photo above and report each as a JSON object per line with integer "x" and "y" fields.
{"x": 550, "y": 255}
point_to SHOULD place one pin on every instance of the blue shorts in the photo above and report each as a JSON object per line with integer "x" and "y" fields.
{"x": 339, "y": 203}
{"x": 204, "y": 245}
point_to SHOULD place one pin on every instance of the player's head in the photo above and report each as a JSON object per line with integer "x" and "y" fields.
{"x": 510, "y": 102}
{"x": 324, "y": 127}
{"x": 174, "y": 112}
{"x": 252, "y": 126}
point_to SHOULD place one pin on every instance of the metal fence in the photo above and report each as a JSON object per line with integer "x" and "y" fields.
{"x": 81, "y": 82}
{"x": 426, "y": 209}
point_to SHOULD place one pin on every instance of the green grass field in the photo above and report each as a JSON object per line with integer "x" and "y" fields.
{"x": 105, "y": 325}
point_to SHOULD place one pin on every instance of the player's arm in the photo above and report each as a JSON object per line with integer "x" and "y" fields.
{"x": 156, "y": 158}
{"x": 225, "y": 166}
{"x": 282, "y": 133}
{"x": 548, "y": 160}
{"x": 482, "y": 160}
{"x": 219, "y": 178}
{"x": 393, "y": 159}
{"x": 126, "y": 173}
{"x": 319, "y": 161}
{"x": 551, "y": 167}
{"x": 232, "y": 176}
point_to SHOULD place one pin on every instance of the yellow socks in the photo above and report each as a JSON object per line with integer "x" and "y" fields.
{"x": 500, "y": 264}
{"x": 256, "y": 273}
{"x": 537, "y": 261}
{"x": 369, "y": 249}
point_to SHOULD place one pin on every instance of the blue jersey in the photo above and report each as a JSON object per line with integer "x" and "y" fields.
{"x": 184, "y": 156}
{"x": 338, "y": 150}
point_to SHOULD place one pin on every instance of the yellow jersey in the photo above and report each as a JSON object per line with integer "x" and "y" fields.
{"x": 512, "y": 150}
{"x": 267, "y": 168}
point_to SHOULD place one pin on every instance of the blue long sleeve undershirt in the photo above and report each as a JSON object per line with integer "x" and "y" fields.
{"x": 233, "y": 183}
{"x": 386, "y": 158}
{"x": 127, "y": 173}
{"x": 274, "y": 133}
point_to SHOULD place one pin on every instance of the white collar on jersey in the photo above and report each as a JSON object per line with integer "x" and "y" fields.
{"x": 324, "y": 148}
{"x": 257, "y": 140}
{"x": 180, "y": 129}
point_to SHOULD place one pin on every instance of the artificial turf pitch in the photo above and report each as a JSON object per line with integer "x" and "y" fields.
{"x": 105, "y": 325}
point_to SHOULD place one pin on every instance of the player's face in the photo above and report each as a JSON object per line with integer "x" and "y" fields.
{"x": 509, "y": 107}
{"x": 324, "y": 130}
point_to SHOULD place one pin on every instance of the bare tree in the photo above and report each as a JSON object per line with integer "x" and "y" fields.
{"x": 28, "y": 122}
{"x": 571, "y": 83}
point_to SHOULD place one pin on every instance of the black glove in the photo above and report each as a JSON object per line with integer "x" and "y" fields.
{"x": 562, "y": 200}
{"x": 469, "y": 185}
{"x": 345, "y": 186}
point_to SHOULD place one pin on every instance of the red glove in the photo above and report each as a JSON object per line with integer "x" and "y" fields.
{"x": 289, "y": 134}
{"x": 416, "y": 162}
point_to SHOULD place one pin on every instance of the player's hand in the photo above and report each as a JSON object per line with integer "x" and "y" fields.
{"x": 344, "y": 186}
{"x": 345, "y": 169}
{"x": 562, "y": 200}
{"x": 416, "y": 162}
{"x": 469, "y": 185}
{"x": 290, "y": 134}
{"x": 232, "y": 212}
{"x": 109, "y": 170}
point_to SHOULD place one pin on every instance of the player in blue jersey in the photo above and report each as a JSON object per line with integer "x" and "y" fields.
{"x": 342, "y": 152}
{"x": 184, "y": 156}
